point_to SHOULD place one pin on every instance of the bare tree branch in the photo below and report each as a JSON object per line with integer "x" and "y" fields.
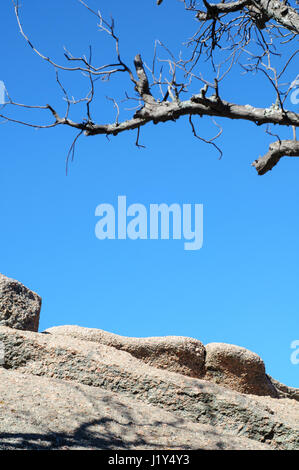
{"x": 246, "y": 33}
{"x": 277, "y": 150}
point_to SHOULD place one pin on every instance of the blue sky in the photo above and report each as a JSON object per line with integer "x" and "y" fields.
{"x": 240, "y": 288}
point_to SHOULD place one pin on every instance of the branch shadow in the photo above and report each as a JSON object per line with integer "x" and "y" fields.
{"x": 122, "y": 430}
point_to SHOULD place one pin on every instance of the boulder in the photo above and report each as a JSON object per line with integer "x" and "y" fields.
{"x": 238, "y": 369}
{"x": 19, "y": 306}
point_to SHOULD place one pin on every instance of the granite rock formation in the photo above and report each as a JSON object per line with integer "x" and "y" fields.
{"x": 19, "y": 306}
{"x": 71, "y": 387}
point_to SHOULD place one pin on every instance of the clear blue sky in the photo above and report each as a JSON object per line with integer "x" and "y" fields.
{"x": 240, "y": 288}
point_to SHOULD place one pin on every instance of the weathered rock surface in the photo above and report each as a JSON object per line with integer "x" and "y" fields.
{"x": 174, "y": 353}
{"x": 230, "y": 366}
{"x": 19, "y": 306}
{"x": 68, "y": 361}
{"x": 285, "y": 391}
{"x": 238, "y": 369}
{"x": 46, "y": 413}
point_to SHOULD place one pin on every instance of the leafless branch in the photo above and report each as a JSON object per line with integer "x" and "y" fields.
{"x": 210, "y": 141}
{"x": 229, "y": 34}
{"x": 277, "y": 150}
{"x": 71, "y": 152}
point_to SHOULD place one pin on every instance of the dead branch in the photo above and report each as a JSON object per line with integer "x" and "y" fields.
{"x": 277, "y": 150}
{"x": 242, "y": 32}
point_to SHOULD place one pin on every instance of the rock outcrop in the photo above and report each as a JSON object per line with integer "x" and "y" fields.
{"x": 66, "y": 359}
{"x": 174, "y": 353}
{"x": 237, "y": 368}
{"x": 230, "y": 366}
{"x": 81, "y": 388}
{"x": 284, "y": 391}
{"x": 46, "y": 413}
{"x": 19, "y": 306}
